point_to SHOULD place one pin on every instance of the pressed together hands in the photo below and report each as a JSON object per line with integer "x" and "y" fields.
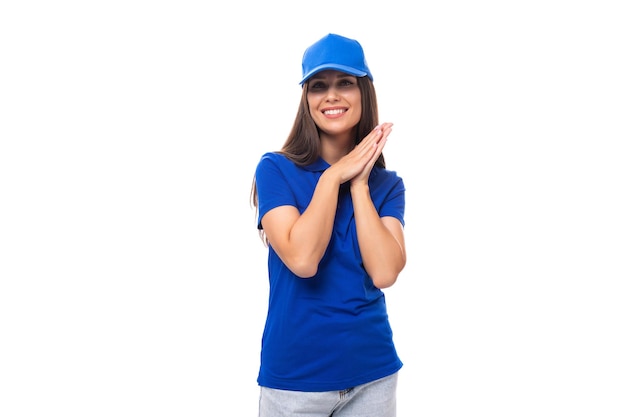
{"x": 358, "y": 163}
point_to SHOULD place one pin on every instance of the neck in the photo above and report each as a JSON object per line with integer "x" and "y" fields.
{"x": 334, "y": 147}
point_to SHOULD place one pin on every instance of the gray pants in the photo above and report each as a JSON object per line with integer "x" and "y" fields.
{"x": 374, "y": 399}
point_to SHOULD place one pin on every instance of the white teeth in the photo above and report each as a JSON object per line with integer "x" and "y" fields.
{"x": 336, "y": 111}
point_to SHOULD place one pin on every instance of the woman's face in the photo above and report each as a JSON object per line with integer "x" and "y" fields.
{"x": 334, "y": 101}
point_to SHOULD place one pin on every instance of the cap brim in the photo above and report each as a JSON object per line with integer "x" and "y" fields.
{"x": 336, "y": 67}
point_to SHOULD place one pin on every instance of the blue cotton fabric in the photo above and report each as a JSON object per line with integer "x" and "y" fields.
{"x": 331, "y": 331}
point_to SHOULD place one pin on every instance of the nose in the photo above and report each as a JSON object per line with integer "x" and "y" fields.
{"x": 332, "y": 94}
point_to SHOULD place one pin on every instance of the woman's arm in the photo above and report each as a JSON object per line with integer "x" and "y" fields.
{"x": 301, "y": 240}
{"x": 381, "y": 240}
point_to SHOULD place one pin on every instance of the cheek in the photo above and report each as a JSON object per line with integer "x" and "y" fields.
{"x": 357, "y": 109}
{"x": 355, "y": 100}
{"x": 312, "y": 101}
{"x": 313, "y": 106}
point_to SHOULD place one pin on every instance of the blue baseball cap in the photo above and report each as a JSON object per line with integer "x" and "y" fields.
{"x": 335, "y": 52}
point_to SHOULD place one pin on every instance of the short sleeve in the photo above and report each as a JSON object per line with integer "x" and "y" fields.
{"x": 272, "y": 186}
{"x": 394, "y": 202}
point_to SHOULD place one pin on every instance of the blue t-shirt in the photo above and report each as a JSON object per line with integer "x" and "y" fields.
{"x": 331, "y": 331}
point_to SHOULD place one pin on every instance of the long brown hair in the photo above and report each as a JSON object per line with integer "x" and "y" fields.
{"x": 303, "y": 142}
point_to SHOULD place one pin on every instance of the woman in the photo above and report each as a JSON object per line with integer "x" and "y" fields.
{"x": 332, "y": 217}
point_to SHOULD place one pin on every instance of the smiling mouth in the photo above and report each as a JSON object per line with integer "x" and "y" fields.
{"x": 334, "y": 111}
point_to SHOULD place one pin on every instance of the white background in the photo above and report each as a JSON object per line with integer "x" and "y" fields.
{"x": 133, "y": 282}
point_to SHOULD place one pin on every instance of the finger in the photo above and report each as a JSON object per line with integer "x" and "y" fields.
{"x": 373, "y": 136}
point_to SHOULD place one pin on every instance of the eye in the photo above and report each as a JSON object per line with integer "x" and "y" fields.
{"x": 317, "y": 86}
{"x": 345, "y": 83}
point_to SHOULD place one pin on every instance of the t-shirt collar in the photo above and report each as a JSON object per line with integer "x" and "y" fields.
{"x": 317, "y": 166}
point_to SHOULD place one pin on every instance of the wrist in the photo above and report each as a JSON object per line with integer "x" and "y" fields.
{"x": 359, "y": 187}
